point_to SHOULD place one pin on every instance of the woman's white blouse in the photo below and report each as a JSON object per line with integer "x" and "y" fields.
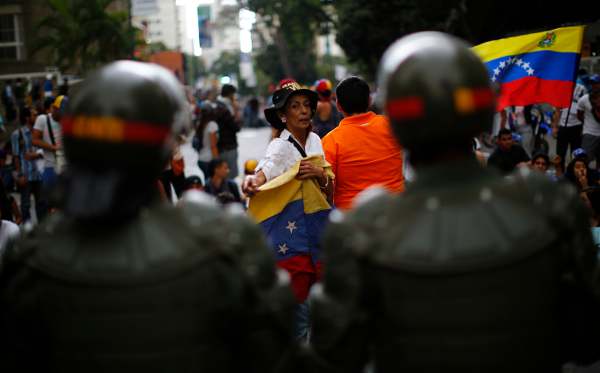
{"x": 282, "y": 154}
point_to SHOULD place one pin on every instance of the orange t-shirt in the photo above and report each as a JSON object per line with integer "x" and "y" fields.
{"x": 363, "y": 152}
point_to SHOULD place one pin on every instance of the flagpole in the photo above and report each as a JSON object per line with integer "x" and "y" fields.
{"x": 574, "y": 82}
{"x": 572, "y": 92}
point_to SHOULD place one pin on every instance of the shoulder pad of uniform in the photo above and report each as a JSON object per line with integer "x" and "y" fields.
{"x": 368, "y": 195}
{"x": 33, "y": 238}
{"x": 199, "y": 198}
{"x": 235, "y": 209}
{"x": 522, "y": 173}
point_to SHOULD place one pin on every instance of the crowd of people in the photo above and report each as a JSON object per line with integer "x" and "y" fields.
{"x": 453, "y": 241}
{"x": 32, "y": 156}
{"x": 32, "y": 153}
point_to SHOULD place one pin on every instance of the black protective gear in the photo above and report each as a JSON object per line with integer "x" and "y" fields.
{"x": 435, "y": 90}
{"x": 115, "y": 284}
{"x": 459, "y": 276}
{"x": 189, "y": 289}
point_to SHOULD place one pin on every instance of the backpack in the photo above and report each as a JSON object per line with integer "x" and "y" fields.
{"x": 228, "y": 127}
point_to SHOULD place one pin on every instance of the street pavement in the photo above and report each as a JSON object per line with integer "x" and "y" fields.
{"x": 252, "y": 144}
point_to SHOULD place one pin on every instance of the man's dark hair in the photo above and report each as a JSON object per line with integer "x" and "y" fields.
{"x": 542, "y": 155}
{"x": 213, "y": 164}
{"x": 48, "y": 101}
{"x": 190, "y": 181}
{"x": 326, "y": 93}
{"x": 504, "y": 131}
{"x": 24, "y": 114}
{"x": 353, "y": 95}
{"x": 228, "y": 90}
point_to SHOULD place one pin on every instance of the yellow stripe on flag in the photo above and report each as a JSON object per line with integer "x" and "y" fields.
{"x": 566, "y": 39}
{"x": 279, "y": 192}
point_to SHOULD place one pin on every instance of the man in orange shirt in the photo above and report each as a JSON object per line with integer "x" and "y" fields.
{"x": 361, "y": 150}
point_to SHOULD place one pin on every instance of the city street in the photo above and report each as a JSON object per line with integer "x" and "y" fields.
{"x": 429, "y": 199}
{"x": 252, "y": 143}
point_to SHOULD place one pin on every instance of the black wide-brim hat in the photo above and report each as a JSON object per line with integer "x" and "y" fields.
{"x": 280, "y": 98}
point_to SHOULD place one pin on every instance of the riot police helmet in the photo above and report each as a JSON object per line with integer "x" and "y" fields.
{"x": 124, "y": 117}
{"x": 435, "y": 90}
{"x": 119, "y": 132}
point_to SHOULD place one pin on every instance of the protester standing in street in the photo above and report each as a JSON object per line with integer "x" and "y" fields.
{"x": 588, "y": 111}
{"x": 207, "y": 135}
{"x": 567, "y": 127}
{"x": 228, "y": 118}
{"x": 362, "y": 150}
{"x": 47, "y": 135}
{"x": 290, "y": 115}
{"x": 29, "y": 179}
{"x": 327, "y": 116}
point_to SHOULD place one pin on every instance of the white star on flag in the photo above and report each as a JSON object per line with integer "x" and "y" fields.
{"x": 519, "y": 62}
{"x": 291, "y": 226}
{"x": 496, "y": 71}
{"x": 493, "y": 78}
{"x": 502, "y": 64}
{"x": 526, "y": 66}
{"x": 283, "y": 249}
{"x": 530, "y": 71}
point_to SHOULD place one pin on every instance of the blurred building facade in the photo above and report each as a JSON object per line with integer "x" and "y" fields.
{"x": 218, "y": 26}
{"x": 162, "y": 24}
{"x": 17, "y": 28}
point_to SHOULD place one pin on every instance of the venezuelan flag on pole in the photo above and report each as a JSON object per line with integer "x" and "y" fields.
{"x": 534, "y": 68}
{"x": 292, "y": 213}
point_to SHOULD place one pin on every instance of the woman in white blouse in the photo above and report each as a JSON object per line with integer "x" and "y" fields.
{"x": 291, "y": 115}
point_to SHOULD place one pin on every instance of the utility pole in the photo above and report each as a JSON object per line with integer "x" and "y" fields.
{"x": 130, "y": 24}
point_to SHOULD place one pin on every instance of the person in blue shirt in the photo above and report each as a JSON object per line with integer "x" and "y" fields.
{"x": 219, "y": 184}
{"x": 29, "y": 179}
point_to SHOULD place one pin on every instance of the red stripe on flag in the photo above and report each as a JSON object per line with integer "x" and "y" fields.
{"x": 532, "y": 90}
{"x": 406, "y": 108}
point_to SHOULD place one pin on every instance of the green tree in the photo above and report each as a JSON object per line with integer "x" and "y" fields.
{"x": 194, "y": 68}
{"x": 290, "y": 29}
{"x": 366, "y": 28}
{"x": 82, "y": 34}
{"x": 228, "y": 64}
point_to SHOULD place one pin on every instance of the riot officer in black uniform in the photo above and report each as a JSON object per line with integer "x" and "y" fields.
{"x": 118, "y": 284}
{"x": 463, "y": 272}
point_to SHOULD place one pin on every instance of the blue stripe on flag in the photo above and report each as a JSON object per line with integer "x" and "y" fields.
{"x": 287, "y": 231}
{"x": 545, "y": 65}
{"x": 293, "y": 232}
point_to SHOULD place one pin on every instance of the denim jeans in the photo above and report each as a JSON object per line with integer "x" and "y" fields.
{"x": 302, "y": 321}
{"x": 32, "y": 187}
{"x": 231, "y": 157}
{"x": 527, "y": 139}
{"x": 49, "y": 178}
